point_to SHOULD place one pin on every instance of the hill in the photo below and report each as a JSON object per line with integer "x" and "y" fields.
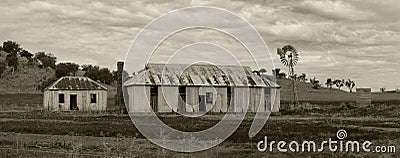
{"x": 306, "y": 92}
{"x": 26, "y": 79}
{"x": 323, "y": 95}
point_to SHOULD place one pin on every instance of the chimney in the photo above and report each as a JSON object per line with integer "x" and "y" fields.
{"x": 119, "y": 96}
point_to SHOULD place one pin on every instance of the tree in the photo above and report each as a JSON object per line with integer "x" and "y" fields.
{"x": 329, "y": 83}
{"x": 302, "y": 77}
{"x": 11, "y": 47}
{"x": 98, "y": 74}
{"x": 350, "y": 85}
{"x": 256, "y": 72}
{"x": 106, "y": 76}
{"x": 315, "y": 83}
{"x": 48, "y": 60}
{"x": 26, "y": 54}
{"x": 276, "y": 72}
{"x": 2, "y": 67}
{"x": 282, "y": 75}
{"x": 12, "y": 60}
{"x": 263, "y": 71}
{"x": 339, "y": 83}
{"x": 294, "y": 77}
{"x": 65, "y": 69}
{"x": 46, "y": 83}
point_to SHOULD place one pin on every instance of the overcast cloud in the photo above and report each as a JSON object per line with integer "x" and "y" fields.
{"x": 357, "y": 39}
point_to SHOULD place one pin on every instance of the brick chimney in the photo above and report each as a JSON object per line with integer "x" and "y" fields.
{"x": 119, "y": 102}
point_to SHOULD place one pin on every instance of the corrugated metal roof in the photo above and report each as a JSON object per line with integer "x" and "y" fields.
{"x": 75, "y": 83}
{"x": 197, "y": 75}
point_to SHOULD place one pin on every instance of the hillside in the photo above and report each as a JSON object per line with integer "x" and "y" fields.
{"x": 26, "y": 79}
{"x": 305, "y": 92}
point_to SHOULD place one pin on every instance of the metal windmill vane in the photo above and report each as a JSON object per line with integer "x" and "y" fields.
{"x": 289, "y": 57}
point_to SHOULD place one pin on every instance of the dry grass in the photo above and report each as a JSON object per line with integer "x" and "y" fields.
{"x": 67, "y": 135}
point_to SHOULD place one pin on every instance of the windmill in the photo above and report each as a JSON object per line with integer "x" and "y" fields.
{"x": 289, "y": 57}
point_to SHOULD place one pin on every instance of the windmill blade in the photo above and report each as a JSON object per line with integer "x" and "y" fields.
{"x": 288, "y": 55}
{"x": 284, "y": 61}
{"x": 280, "y": 52}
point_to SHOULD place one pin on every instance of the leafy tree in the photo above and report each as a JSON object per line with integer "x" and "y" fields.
{"x": 106, "y": 76}
{"x": 315, "y": 83}
{"x": 46, "y": 83}
{"x": 65, "y": 69}
{"x": 96, "y": 73}
{"x": 276, "y": 72}
{"x": 302, "y": 77}
{"x": 48, "y": 60}
{"x": 26, "y": 54}
{"x": 350, "y": 85}
{"x": 329, "y": 83}
{"x": 339, "y": 83}
{"x": 295, "y": 77}
{"x": 11, "y": 47}
{"x": 256, "y": 72}
{"x": 282, "y": 75}
{"x": 2, "y": 67}
{"x": 87, "y": 67}
{"x": 12, "y": 60}
{"x": 263, "y": 71}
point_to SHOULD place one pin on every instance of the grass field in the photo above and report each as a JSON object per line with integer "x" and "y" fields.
{"x": 26, "y": 131}
{"x": 46, "y": 134}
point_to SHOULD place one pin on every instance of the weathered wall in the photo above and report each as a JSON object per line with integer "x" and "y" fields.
{"x": 275, "y": 99}
{"x": 168, "y": 98}
{"x": 256, "y": 99}
{"x": 240, "y": 99}
{"x": 139, "y": 101}
{"x": 51, "y": 100}
{"x": 192, "y": 99}
{"x": 220, "y": 100}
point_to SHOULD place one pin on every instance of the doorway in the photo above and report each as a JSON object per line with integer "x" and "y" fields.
{"x": 202, "y": 107}
{"x": 73, "y": 102}
{"x": 154, "y": 98}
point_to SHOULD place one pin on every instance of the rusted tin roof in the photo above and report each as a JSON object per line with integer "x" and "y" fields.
{"x": 197, "y": 75}
{"x": 75, "y": 83}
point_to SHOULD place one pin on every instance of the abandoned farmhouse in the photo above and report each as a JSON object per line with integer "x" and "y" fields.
{"x": 75, "y": 93}
{"x": 200, "y": 88}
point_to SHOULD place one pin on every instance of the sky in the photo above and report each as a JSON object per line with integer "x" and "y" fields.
{"x": 356, "y": 39}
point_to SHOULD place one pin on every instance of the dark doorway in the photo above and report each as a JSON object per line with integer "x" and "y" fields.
{"x": 154, "y": 98}
{"x": 230, "y": 97}
{"x": 202, "y": 107}
{"x": 182, "y": 99}
{"x": 73, "y": 102}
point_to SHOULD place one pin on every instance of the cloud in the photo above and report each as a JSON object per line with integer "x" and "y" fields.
{"x": 336, "y": 38}
{"x": 333, "y": 10}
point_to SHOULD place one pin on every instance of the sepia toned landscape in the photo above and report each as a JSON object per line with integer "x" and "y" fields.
{"x": 145, "y": 78}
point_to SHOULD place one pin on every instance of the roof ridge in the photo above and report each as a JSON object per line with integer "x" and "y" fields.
{"x": 197, "y": 64}
{"x": 76, "y": 85}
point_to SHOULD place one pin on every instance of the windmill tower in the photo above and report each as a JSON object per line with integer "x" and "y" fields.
{"x": 289, "y": 57}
